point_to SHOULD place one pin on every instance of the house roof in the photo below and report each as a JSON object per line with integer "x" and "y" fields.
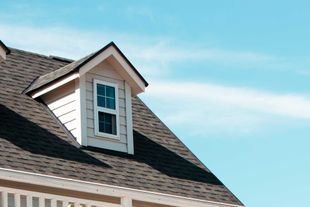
{"x": 75, "y": 66}
{"x": 32, "y": 140}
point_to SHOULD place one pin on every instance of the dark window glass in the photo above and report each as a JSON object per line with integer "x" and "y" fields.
{"x": 110, "y": 91}
{"x": 101, "y": 89}
{"x": 107, "y": 123}
{"x": 105, "y": 96}
{"x": 101, "y": 101}
{"x": 110, "y": 103}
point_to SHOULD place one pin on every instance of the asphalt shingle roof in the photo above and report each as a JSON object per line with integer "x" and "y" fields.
{"x": 32, "y": 140}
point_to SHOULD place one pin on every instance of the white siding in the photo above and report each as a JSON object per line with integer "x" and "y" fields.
{"x": 105, "y": 72}
{"x": 62, "y": 103}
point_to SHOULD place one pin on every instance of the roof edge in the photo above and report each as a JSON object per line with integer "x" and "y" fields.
{"x": 61, "y": 182}
{"x": 112, "y": 44}
{"x": 84, "y": 62}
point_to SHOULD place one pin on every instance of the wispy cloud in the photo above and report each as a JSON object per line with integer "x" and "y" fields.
{"x": 205, "y": 107}
{"x": 215, "y": 105}
{"x": 156, "y": 52}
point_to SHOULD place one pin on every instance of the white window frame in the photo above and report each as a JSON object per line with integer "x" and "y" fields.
{"x": 98, "y": 109}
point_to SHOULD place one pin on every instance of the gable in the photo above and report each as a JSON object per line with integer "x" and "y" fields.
{"x": 111, "y": 52}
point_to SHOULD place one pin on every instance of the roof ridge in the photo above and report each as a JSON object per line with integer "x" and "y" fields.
{"x": 49, "y": 57}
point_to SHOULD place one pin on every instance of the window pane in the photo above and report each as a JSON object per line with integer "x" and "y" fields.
{"x": 101, "y": 101}
{"x": 101, "y": 89}
{"x": 107, "y": 123}
{"x": 110, "y": 91}
{"x": 101, "y": 126}
{"x": 110, "y": 103}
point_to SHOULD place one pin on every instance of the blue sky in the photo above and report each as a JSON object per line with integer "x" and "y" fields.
{"x": 230, "y": 78}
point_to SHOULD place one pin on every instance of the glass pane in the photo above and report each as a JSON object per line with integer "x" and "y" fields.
{"x": 101, "y": 101}
{"x": 101, "y": 127}
{"x": 107, "y": 123}
{"x": 110, "y": 91}
{"x": 110, "y": 103}
{"x": 101, "y": 89}
{"x": 114, "y": 124}
{"x": 108, "y": 128}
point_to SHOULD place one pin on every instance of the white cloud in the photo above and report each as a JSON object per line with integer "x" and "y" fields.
{"x": 218, "y": 106}
{"x": 203, "y": 107}
{"x": 155, "y": 53}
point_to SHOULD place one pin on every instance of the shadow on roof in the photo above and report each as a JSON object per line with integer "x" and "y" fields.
{"x": 168, "y": 162}
{"x": 163, "y": 160}
{"x": 20, "y": 132}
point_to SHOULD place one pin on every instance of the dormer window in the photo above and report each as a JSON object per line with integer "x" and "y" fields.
{"x": 106, "y": 109}
{"x": 92, "y": 98}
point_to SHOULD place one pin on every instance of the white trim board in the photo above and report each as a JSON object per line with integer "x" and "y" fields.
{"x": 121, "y": 66}
{"x": 55, "y": 85}
{"x": 106, "y": 110}
{"x": 115, "y": 58}
{"x": 109, "y": 190}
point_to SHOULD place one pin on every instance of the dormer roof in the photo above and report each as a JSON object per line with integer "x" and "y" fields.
{"x": 79, "y": 67}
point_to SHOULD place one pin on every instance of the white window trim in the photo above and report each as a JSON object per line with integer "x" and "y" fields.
{"x": 102, "y": 109}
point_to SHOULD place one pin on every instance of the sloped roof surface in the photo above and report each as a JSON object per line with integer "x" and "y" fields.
{"x": 32, "y": 140}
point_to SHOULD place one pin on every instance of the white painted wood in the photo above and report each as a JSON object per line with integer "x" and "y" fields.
{"x": 129, "y": 127}
{"x": 120, "y": 65}
{"x": 53, "y": 199}
{"x": 74, "y": 132}
{"x": 41, "y": 201}
{"x": 107, "y": 144}
{"x": 66, "y": 108}
{"x": 59, "y": 83}
{"x": 53, "y": 202}
{"x": 102, "y": 109}
{"x": 83, "y": 110}
{"x": 103, "y": 189}
{"x": 16, "y": 200}
{"x": 65, "y": 203}
{"x": 100, "y": 73}
{"x": 70, "y": 116}
{"x": 61, "y": 101}
{"x": 4, "y": 198}
{"x": 91, "y": 76}
{"x": 91, "y": 134}
{"x": 71, "y": 125}
{"x": 126, "y": 201}
{"x": 78, "y": 111}
{"x": 29, "y": 201}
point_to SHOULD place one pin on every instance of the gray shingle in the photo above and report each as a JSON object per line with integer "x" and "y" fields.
{"x": 31, "y": 140}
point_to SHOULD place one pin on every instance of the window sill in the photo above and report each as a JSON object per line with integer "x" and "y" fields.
{"x": 108, "y": 136}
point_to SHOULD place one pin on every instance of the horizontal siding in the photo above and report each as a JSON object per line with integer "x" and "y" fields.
{"x": 65, "y": 109}
{"x": 105, "y": 72}
{"x": 62, "y": 102}
{"x": 107, "y": 144}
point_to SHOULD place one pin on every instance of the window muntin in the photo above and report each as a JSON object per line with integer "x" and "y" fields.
{"x": 105, "y": 96}
{"x": 107, "y": 123}
{"x": 106, "y": 109}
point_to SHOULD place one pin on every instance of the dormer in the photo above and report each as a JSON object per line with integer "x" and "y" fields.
{"x": 91, "y": 97}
